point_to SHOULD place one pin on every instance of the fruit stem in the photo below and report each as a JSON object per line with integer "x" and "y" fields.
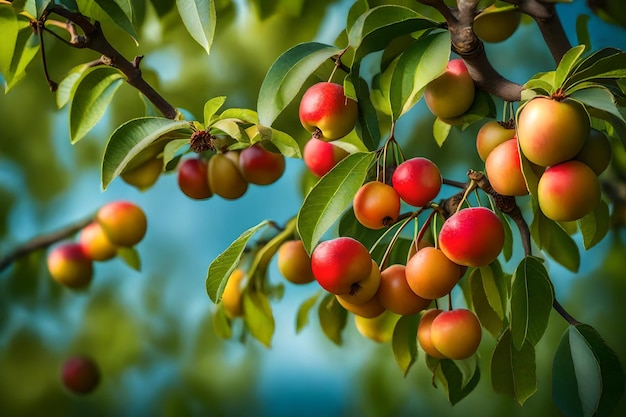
{"x": 392, "y": 242}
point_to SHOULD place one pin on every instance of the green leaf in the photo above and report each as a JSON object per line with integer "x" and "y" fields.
{"x": 286, "y": 76}
{"x": 555, "y": 241}
{"x": 602, "y": 64}
{"x": 532, "y": 295}
{"x": 568, "y": 62}
{"x": 68, "y": 84}
{"x": 613, "y": 378}
{"x": 459, "y": 378}
{"x": 441, "y": 130}
{"x": 258, "y": 316}
{"x": 302, "y": 317}
{"x": 92, "y": 96}
{"x": 600, "y": 98}
{"x": 199, "y": 18}
{"x": 286, "y": 144}
{"x": 542, "y": 83}
{"x": 226, "y": 262}
{"x": 333, "y": 318}
{"x": 404, "y": 342}
{"x": 513, "y": 371}
{"x": 332, "y": 194}
{"x": 130, "y": 256}
{"x": 10, "y": 29}
{"x": 357, "y": 9}
{"x": 507, "y": 249}
{"x": 211, "y": 107}
{"x": 487, "y": 300}
{"x": 112, "y": 11}
{"x": 367, "y": 126}
{"x": 595, "y": 225}
{"x": 422, "y": 62}
{"x": 173, "y": 149}
{"x": 350, "y": 226}
{"x": 26, "y": 47}
{"x": 135, "y": 136}
{"x": 221, "y": 323}
{"x": 582, "y": 31}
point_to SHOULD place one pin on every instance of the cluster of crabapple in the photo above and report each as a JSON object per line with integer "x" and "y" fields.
{"x": 228, "y": 174}
{"x": 116, "y": 224}
{"x": 554, "y": 135}
{"x": 80, "y": 374}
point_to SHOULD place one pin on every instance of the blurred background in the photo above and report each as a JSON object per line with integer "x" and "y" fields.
{"x": 150, "y": 331}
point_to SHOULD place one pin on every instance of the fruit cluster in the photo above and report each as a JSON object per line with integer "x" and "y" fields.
{"x": 228, "y": 174}
{"x": 120, "y": 224}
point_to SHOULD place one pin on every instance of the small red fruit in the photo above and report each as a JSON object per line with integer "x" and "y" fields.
{"x": 260, "y": 166}
{"x": 80, "y": 375}
{"x": 376, "y": 205}
{"x": 69, "y": 265}
{"x": 320, "y": 156}
{"x": 193, "y": 179}
{"x": 417, "y": 181}
{"x": 124, "y": 222}
{"x": 456, "y": 333}
{"x": 339, "y": 264}
{"x": 324, "y": 106}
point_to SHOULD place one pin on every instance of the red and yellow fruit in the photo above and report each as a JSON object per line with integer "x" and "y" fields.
{"x": 376, "y": 205}
{"x": 320, "y": 156}
{"x": 395, "y": 294}
{"x": 423, "y": 333}
{"x": 504, "y": 169}
{"x": 294, "y": 263}
{"x": 339, "y": 264}
{"x": 472, "y": 236}
{"x": 260, "y": 166}
{"x": 225, "y": 177}
{"x": 417, "y": 181}
{"x": 452, "y": 93}
{"x": 552, "y": 131}
{"x": 430, "y": 274}
{"x": 365, "y": 289}
{"x": 123, "y": 222}
{"x": 568, "y": 191}
{"x": 193, "y": 179}
{"x": 456, "y": 334}
{"x": 490, "y": 135}
{"x": 70, "y": 266}
{"x": 325, "y": 108}
{"x": 95, "y": 243}
{"x": 232, "y": 297}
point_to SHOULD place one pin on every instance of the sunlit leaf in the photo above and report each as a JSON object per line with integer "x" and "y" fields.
{"x": 111, "y": 11}
{"x": 333, "y": 318}
{"x": 10, "y": 29}
{"x": 600, "y": 98}
{"x": 91, "y": 98}
{"x": 513, "y": 371}
{"x": 26, "y": 48}
{"x": 199, "y": 17}
{"x": 332, "y": 194}
{"x": 568, "y": 62}
{"x": 532, "y": 296}
{"x": 287, "y": 75}
{"x": 604, "y": 63}
{"x": 582, "y": 31}
{"x": 134, "y": 136}
{"x": 68, "y": 84}
{"x": 404, "y": 342}
{"x": 302, "y": 317}
{"x": 441, "y": 130}
{"x": 211, "y": 107}
{"x": 367, "y": 126}
{"x": 258, "y": 316}
{"x": 422, "y": 62}
{"x": 225, "y": 263}
{"x": 595, "y": 225}
{"x": 221, "y": 323}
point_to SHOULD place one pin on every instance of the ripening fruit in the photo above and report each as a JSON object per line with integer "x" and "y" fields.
{"x": 80, "y": 374}
{"x": 144, "y": 175}
{"x": 193, "y": 179}
{"x": 339, "y": 264}
{"x": 395, "y": 294}
{"x": 456, "y": 333}
{"x": 430, "y": 273}
{"x": 551, "y": 131}
{"x": 596, "y": 152}
{"x": 504, "y": 169}
{"x": 294, "y": 263}
{"x": 365, "y": 289}
{"x": 95, "y": 243}
{"x": 69, "y": 265}
{"x": 423, "y": 333}
{"x": 452, "y": 93}
{"x": 325, "y": 107}
{"x": 320, "y": 157}
{"x": 123, "y": 222}
{"x": 376, "y": 205}
{"x": 472, "y": 236}
{"x": 568, "y": 191}
{"x": 260, "y": 166}
{"x": 369, "y": 309}
{"x": 417, "y": 181}
{"x": 379, "y": 328}
{"x": 232, "y": 297}
{"x": 490, "y": 135}
{"x": 225, "y": 177}
{"x": 495, "y": 26}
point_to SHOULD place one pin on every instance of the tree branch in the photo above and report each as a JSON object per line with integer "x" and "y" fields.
{"x": 42, "y": 241}
{"x": 95, "y": 40}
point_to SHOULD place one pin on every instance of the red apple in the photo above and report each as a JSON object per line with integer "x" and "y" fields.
{"x": 417, "y": 181}
{"x": 325, "y": 108}
{"x": 320, "y": 156}
{"x": 340, "y": 264}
